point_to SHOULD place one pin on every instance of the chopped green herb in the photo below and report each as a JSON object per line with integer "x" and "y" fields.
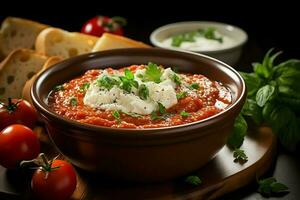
{"x": 132, "y": 114}
{"x": 153, "y": 73}
{"x": 73, "y": 101}
{"x": 116, "y": 115}
{"x": 84, "y": 87}
{"x": 181, "y": 95}
{"x": 154, "y": 116}
{"x": 107, "y": 82}
{"x": 193, "y": 180}
{"x": 194, "y": 86}
{"x": 210, "y": 33}
{"x": 143, "y": 92}
{"x": 176, "y": 79}
{"x": 269, "y": 187}
{"x": 127, "y": 81}
{"x": 161, "y": 108}
{"x": 184, "y": 114}
{"x": 240, "y": 156}
{"x": 59, "y": 88}
{"x": 140, "y": 76}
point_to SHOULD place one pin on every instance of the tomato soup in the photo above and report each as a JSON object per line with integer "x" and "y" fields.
{"x": 139, "y": 96}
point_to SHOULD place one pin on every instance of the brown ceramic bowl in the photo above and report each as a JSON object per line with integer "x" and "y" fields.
{"x": 153, "y": 154}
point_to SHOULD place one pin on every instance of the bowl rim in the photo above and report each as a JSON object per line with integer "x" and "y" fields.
{"x": 156, "y": 43}
{"x": 45, "y": 109}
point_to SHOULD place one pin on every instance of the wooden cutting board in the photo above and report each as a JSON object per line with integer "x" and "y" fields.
{"x": 220, "y": 176}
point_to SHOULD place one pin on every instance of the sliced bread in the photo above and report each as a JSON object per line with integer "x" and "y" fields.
{"x": 112, "y": 41}
{"x": 58, "y": 42}
{"x": 18, "y": 67}
{"x": 18, "y": 33}
{"x": 26, "y": 89}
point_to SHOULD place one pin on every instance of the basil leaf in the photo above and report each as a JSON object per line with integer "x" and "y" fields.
{"x": 252, "y": 81}
{"x": 261, "y": 70}
{"x": 269, "y": 187}
{"x": 128, "y": 74}
{"x": 73, "y": 101}
{"x": 117, "y": 116}
{"x": 238, "y": 134}
{"x": 176, "y": 79}
{"x": 194, "y": 86}
{"x": 84, "y": 87}
{"x": 184, "y": 114}
{"x": 161, "y": 108}
{"x": 251, "y": 109}
{"x": 264, "y": 94}
{"x": 107, "y": 82}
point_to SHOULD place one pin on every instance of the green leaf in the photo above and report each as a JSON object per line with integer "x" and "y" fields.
{"x": 264, "y": 94}
{"x": 210, "y": 33}
{"x": 269, "y": 187}
{"x": 261, "y": 70}
{"x": 153, "y": 73}
{"x": 143, "y": 92}
{"x": 240, "y": 156}
{"x": 194, "y": 86}
{"x": 193, "y": 180}
{"x": 184, "y": 114}
{"x": 238, "y": 134}
{"x": 107, "y": 82}
{"x": 161, "y": 108}
{"x": 181, "y": 95}
{"x": 84, "y": 87}
{"x": 128, "y": 74}
{"x": 251, "y": 109}
{"x": 59, "y": 88}
{"x": 73, "y": 101}
{"x": 252, "y": 81}
{"x": 117, "y": 116}
{"x": 176, "y": 79}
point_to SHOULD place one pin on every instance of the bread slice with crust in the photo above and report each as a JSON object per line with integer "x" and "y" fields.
{"x": 18, "y": 67}
{"x": 26, "y": 89}
{"x": 112, "y": 41}
{"x": 58, "y": 42}
{"x": 18, "y": 33}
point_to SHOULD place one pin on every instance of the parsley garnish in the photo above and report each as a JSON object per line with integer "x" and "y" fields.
{"x": 59, "y": 88}
{"x": 194, "y": 86}
{"x": 181, "y": 95}
{"x": 128, "y": 81}
{"x": 161, "y": 108}
{"x": 73, "y": 101}
{"x": 184, "y": 114}
{"x": 107, "y": 82}
{"x": 193, "y": 180}
{"x": 116, "y": 115}
{"x": 176, "y": 79}
{"x": 84, "y": 87}
{"x": 153, "y": 73}
{"x": 270, "y": 186}
{"x": 143, "y": 92}
{"x": 240, "y": 156}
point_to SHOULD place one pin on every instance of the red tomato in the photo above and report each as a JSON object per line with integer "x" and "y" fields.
{"x": 17, "y": 143}
{"x": 56, "y": 184}
{"x": 101, "y": 24}
{"x": 17, "y": 111}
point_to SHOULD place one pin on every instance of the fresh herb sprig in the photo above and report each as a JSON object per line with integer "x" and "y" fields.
{"x": 270, "y": 187}
{"x": 273, "y": 97}
{"x": 193, "y": 180}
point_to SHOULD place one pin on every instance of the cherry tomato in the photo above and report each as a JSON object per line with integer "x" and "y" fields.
{"x": 55, "y": 182}
{"x": 101, "y": 24}
{"x": 17, "y": 143}
{"x": 17, "y": 111}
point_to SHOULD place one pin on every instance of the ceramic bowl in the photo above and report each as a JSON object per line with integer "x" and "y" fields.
{"x": 144, "y": 155}
{"x": 229, "y": 55}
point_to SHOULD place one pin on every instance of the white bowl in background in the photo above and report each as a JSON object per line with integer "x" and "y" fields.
{"x": 229, "y": 55}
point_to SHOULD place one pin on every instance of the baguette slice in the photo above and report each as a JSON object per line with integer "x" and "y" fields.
{"x": 19, "y": 66}
{"x": 112, "y": 41}
{"x": 58, "y": 42}
{"x": 18, "y": 33}
{"x": 26, "y": 89}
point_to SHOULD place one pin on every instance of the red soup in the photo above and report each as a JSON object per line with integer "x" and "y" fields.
{"x": 139, "y": 96}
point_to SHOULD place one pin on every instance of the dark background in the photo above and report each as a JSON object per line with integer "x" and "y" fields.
{"x": 268, "y": 24}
